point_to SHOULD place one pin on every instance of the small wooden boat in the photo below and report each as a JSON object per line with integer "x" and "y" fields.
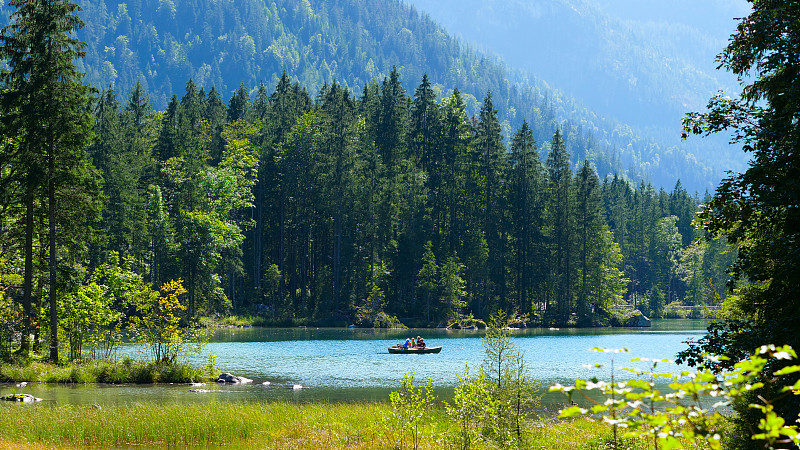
{"x": 415, "y": 350}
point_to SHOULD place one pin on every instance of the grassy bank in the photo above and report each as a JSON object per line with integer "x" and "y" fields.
{"x": 257, "y": 425}
{"x": 99, "y": 371}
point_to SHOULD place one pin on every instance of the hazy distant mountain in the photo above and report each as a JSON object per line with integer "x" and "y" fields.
{"x": 643, "y": 62}
{"x": 223, "y": 43}
{"x": 639, "y": 61}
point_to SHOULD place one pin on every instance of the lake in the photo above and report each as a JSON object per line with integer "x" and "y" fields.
{"x": 354, "y": 364}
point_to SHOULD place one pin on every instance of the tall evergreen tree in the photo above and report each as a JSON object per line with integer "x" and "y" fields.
{"x": 457, "y": 132}
{"x": 239, "y": 104}
{"x": 526, "y": 202}
{"x": 391, "y": 120}
{"x": 488, "y": 170}
{"x": 425, "y": 128}
{"x": 41, "y": 51}
{"x": 590, "y": 236}
{"x": 338, "y": 115}
{"x": 561, "y": 225}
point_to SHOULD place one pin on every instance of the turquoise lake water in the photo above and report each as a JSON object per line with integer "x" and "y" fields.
{"x": 354, "y": 364}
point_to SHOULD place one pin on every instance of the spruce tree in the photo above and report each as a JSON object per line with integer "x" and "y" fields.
{"x": 561, "y": 223}
{"x": 488, "y": 170}
{"x": 45, "y": 106}
{"x": 526, "y": 203}
{"x": 590, "y": 236}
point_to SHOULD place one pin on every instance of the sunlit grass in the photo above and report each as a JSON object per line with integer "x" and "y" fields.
{"x": 274, "y": 425}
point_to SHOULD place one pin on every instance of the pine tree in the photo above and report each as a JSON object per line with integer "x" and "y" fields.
{"x": 452, "y": 162}
{"x": 425, "y": 129}
{"x": 239, "y": 104}
{"x": 168, "y": 132}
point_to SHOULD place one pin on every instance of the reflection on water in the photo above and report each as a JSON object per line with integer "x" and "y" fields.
{"x": 354, "y": 365}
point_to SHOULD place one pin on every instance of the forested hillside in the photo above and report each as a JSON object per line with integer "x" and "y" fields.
{"x": 642, "y": 63}
{"x": 360, "y": 206}
{"x": 221, "y": 44}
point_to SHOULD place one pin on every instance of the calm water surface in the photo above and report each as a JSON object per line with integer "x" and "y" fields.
{"x": 354, "y": 365}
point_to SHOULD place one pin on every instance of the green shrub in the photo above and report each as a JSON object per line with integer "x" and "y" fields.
{"x": 683, "y": 417}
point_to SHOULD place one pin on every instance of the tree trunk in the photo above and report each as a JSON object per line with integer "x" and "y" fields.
{"x": 27, "y": 291}
{"x": 51, "y": 199}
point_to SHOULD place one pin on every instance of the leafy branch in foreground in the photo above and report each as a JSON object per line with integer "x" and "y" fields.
{"x": 683, "y": 416}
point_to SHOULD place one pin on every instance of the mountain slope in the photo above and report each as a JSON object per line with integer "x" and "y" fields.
{"x": 645, "y": 63}
{"x": 223, "y": 43}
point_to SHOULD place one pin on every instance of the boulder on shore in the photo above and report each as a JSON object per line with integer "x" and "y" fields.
{"x": 638, "y": 320}
{"x": 228, "y": 378}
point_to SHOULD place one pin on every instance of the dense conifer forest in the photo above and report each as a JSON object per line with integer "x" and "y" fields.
{"x": 364, "y": 206}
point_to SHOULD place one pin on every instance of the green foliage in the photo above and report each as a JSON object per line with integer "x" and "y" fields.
{"x": 371, "y": 311}
{"x": 280, "y": 200}
{"x": 511, "y": 389}
{"x": 757, "y": 210}
{"x": 86, "y": 311}
{"x": 411, "y": 407}
{"x": 10, "y": 310}
{"x": 471, "y": 403}
{"x": 41, "y": 52}
{"x": 692, "y": 412}
{"x": 157, "y": 325}
{"x": 452, "y": 286}
{"x": 495, "y": 406}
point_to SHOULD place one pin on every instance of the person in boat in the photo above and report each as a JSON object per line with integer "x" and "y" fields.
{"x": 407, "y": 344}
{"x": 420, "y": 342}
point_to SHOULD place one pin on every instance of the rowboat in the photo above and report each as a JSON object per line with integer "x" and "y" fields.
{"x": 415, "y": 350}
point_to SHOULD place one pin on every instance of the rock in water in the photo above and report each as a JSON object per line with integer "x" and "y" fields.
{"x": 228, "y": 378}
{"x": 638, "y": 320}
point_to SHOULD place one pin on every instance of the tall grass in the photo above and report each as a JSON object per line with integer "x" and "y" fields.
{"x": 100, "y": 371}
{"x": 275, "y": 425}
{"x": 252, "y": 425}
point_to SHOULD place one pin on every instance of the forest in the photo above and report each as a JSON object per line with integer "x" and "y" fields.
{"x": 367, "y": 208}
{"x": 163, "y": 44}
